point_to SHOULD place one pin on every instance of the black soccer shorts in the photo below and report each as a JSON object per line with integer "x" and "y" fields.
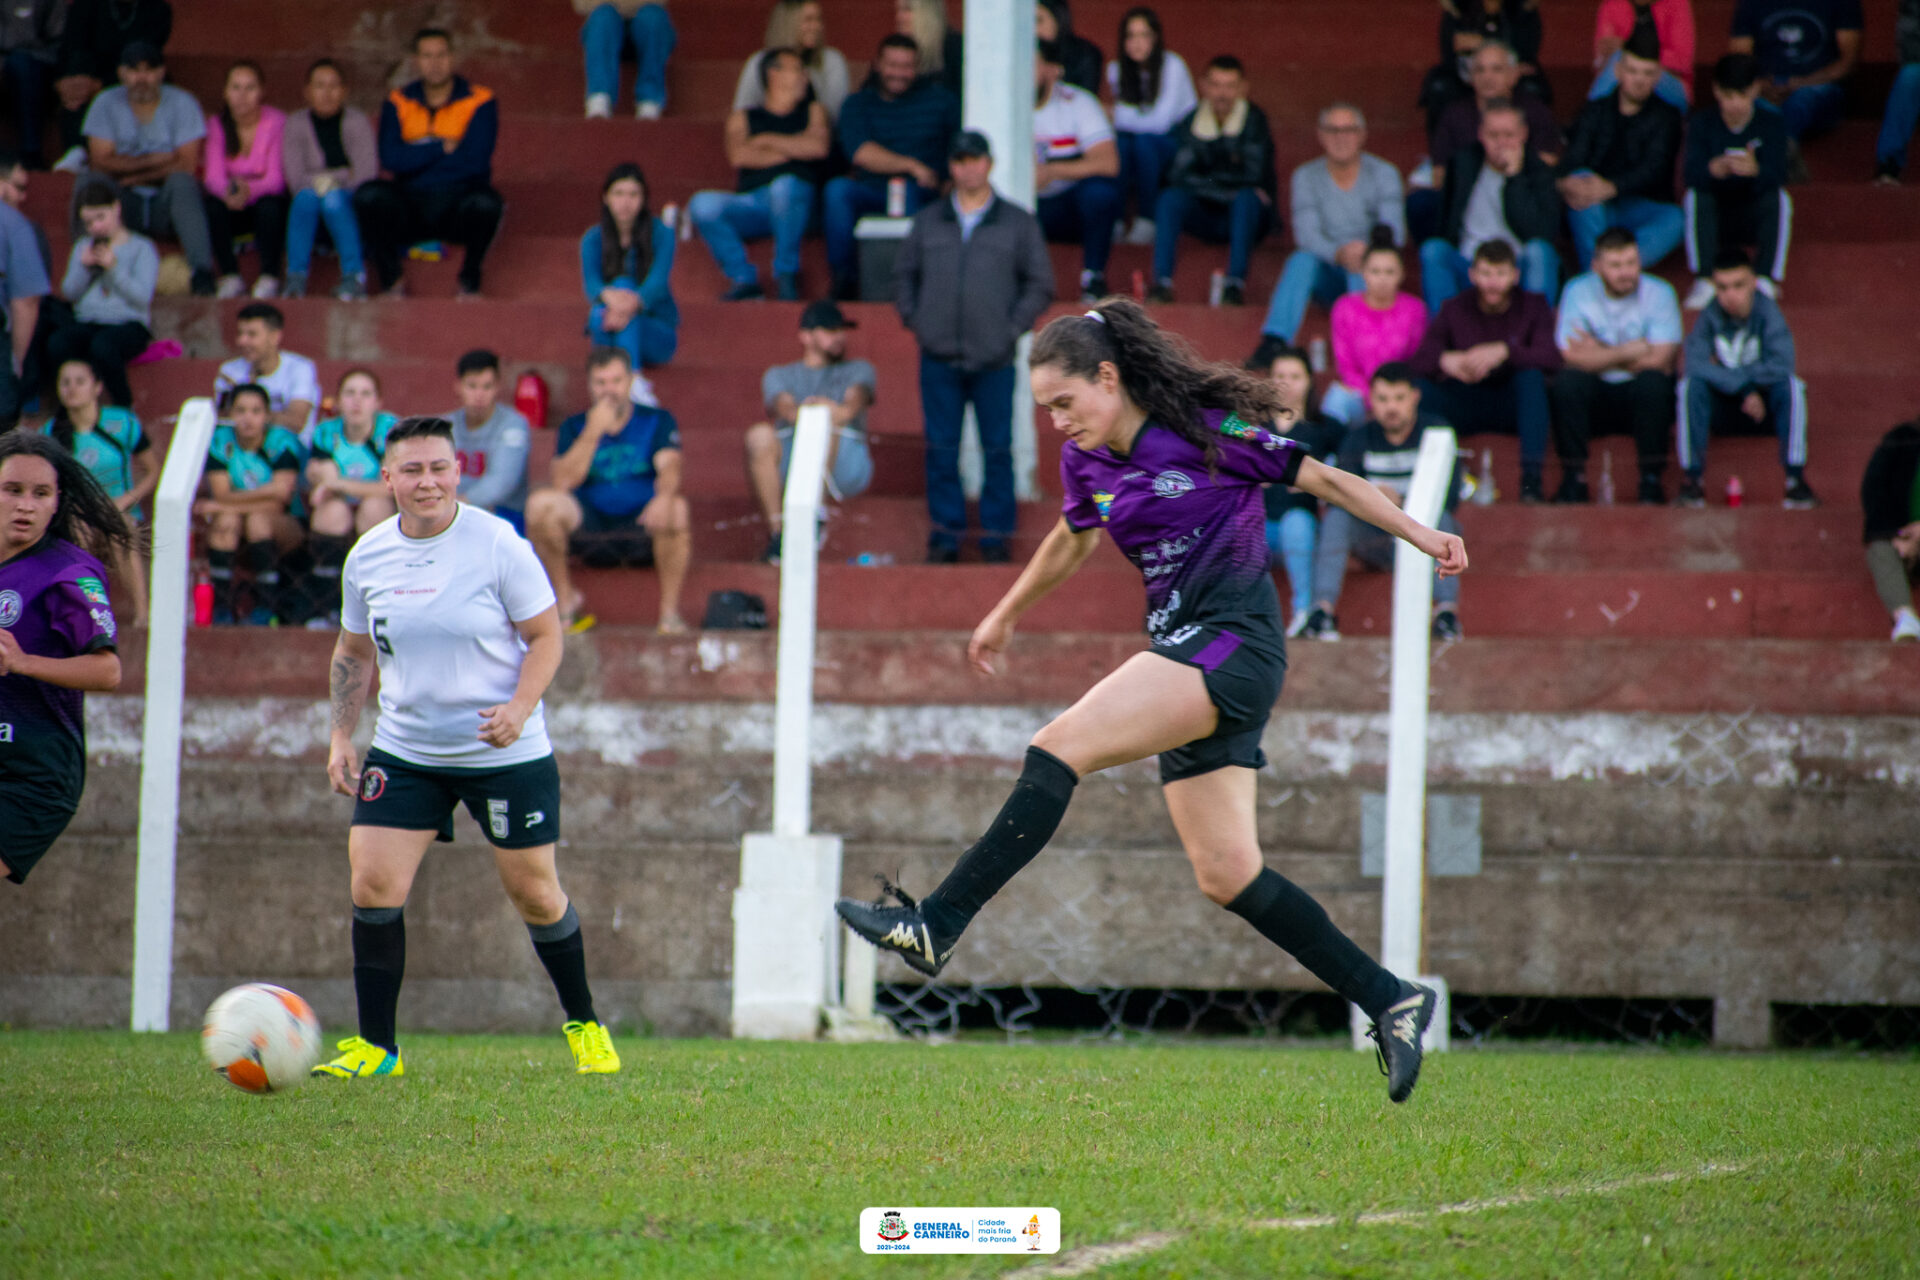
{"x": 517, "y": 805}
{"x": 1243, "y": 681}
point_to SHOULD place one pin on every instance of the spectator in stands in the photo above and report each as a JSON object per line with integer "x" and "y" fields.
{"x": 1337, "y": 202}
{"x": 625, "y": 261}
{"x": 942, "y": 50}
{"x": 23, "y": 284}
{"x": 1619, "y": 336}
{"x": 149, "y": 137}
{"x": 1484, "y": 361}
{"x": 1077, "y": 185}
{"x": 611, "y": 25}
{"x": 1497, "y": 190}
{"x": 1618, "y": 169}
{"x": 1671, "y": 24}
{"x": 1739, "y": 376}
{"x": 973, "y": 276}
{"x": 1152, "y": 93}
{"x": 1293, "y": 517}
{"x": 30, "y": 45}
{"x": 110, "y": 278}
{"x": 1806, "y": 50}
{"x": 779, "y": 151}
{"x": 436, "y": 141}
{"x": 823, "y": 375}
{"x": 247, "y": 497}
{"x": 96, "y": 34}
{"x": 346, "y": 493}
{"x": 1379, "y": 325}
{"x": 492, "y": 440}
{"x": 1903, "y": 100}
{"x": 329, "y": 153}
{"x": 1890, "y": 497}
{"x": 246, "y": 183}
{"x": 1382, "y": 450}
{"x": 1221, "y": 186}
{"x": 1496, "y": 78}
{"x": 289, "y": 381}
{"x": 1080, "y": 58}
{"x": 615, "y": 495}
{"x": 109, "y": 443}
{"x": 799, "y": 25}
{"x": 1736, "y": 173}
{"x": 53, "y": 309}
{"x": 1467, "y": 25}
{"x": 897, "y": 125}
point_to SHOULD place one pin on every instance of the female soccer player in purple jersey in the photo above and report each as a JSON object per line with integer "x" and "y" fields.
{"x": 57, "y": 637}
{"x": 1168, "y": 455}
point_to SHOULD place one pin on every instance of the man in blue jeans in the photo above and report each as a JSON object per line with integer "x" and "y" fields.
{"x": 777, "y": 147}
{"x": 612, "y": 24}
{"x": 1806, "y": 49}
{"x": 1618, "y": 169}
{"x": 895, "y": 127}
{"x": 1903, "y": 100}
{"x": 1221, "y": 184}
{"x": 973, "y": 275}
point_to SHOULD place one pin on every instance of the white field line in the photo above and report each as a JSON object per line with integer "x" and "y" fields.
{"x": 1091, "y": 1258}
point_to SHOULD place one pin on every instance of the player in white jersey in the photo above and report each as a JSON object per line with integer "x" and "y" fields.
{"x": 454, "y": 607}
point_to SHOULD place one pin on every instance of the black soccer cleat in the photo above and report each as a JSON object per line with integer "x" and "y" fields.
{"x": 1398, "y": 1036}
{"x": 900, "y": 929}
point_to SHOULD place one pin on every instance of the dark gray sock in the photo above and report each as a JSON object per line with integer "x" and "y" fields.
{"x": 562, "y": 950}
{"x": 1287, "y": 916}
{"x": 1026, "y": 822}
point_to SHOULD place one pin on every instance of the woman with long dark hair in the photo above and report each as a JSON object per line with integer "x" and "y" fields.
{"x": 1167, "y": 454}
{"x": 1293, "y": 516}
{"x": 57, "y": 637}
{"x": 246, "y": 182}
{"x": 1152, "y": 92}
{"x": 110, "y": 444}
{"x": 625, "y": 261}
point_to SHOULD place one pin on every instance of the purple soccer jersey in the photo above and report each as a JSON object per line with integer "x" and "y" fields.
{"x": 53, "y": 599}
{"x": 1198, "y": 535}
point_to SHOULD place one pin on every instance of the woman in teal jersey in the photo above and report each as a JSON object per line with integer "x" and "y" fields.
{"x": 348, "y": 497}
{"x": 109, "y": 443}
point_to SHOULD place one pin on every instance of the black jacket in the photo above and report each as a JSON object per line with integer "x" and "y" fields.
{"x": 97, "y": 30}
{"x": 1650, "y": 144}
{"x": 1082, "y": 63}
{"x": 1529, "y": 199}
{"x": 968, "y": 302}
{"x": 1219, "y": 168}
{"x": 1886, "y": 490}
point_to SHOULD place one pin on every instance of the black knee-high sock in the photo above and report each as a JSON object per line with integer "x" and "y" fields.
{"x": 562, "y": 950}
{"x": 322, "y": 587}
{"x": 220, "y": 574}
{"x": 263, "y": 558}
{"x": 379, "y": 962}
{"x": 1026, "y": 822}
{"x": 1290, "y": 919}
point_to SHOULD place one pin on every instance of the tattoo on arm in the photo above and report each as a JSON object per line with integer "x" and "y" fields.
{"x": 349, "y": 688}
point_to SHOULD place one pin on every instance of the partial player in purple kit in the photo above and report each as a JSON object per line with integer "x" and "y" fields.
{"x": 1168, "y": 457}
{"x": 57, "y": 637}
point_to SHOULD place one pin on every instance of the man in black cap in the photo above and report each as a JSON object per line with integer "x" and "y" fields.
{"x": 147, "y": 136}
{"x": 972, "y": 276}
{"x": 822, "y": 375}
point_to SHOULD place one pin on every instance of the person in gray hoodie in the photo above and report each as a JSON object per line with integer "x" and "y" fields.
{"x": 972, "y": 276}
{"x": 1739, "y": 374}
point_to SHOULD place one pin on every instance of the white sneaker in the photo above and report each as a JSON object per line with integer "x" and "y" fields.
{"x": 642, "y": 392}
{"x": 1766, "y": 285}
{"x": 1298, "y": 623}
{"x": 599, "y": 106}
{"x": 230, "y": 287}
{"x": 646, "y": 111}
{"x": 1422, "y": 175}
{"x": 1142, "y": 232}
{"x": 1906, "y": 625}
{"x": 73, "y": 162}
{"x": 1700, "y": 295}
{"x": 266, "y": 287}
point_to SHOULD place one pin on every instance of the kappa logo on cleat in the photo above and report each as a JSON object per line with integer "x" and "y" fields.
{"x": 902, "y": 936}
{"x": 1406, "y": 1025}
{"x": 1403, "y": 1028}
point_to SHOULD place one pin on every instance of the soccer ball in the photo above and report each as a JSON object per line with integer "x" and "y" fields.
{"x": 262, "y": 1038}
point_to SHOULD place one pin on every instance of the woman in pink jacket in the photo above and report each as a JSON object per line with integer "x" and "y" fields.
{"x": 246, "y": 184}
{"x": 1370, "y": 328}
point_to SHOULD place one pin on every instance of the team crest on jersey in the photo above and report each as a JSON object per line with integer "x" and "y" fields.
{"x": 1103, "y": 503}
{"x": 373, "y": 784}
{"x": 10, "y": 600}
{"x": 93, "y": 589}
{"x": 1171, "y": 484}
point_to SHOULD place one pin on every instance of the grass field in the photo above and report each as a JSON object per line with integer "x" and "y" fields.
{"x": 125, "y": 1156}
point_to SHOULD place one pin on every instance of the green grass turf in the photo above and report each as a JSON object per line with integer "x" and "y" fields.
{"x": 123, "y": 1155}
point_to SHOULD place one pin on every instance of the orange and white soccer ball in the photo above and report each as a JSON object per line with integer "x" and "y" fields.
{"x": 262, "y": 1038}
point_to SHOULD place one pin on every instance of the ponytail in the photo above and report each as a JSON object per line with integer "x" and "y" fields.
{"x": 1159, "y": 371}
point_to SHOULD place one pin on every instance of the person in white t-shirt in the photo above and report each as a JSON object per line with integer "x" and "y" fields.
{"x": 1078, "y": 175}
{"x": 291, "y": 382}
{"x": 1152, "y": 93}
{"x": 455, "y": 609}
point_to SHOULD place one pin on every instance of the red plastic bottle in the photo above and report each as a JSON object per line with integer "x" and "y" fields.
{"x": 1736, "y": 492}
{"x": 202, "y": 601}
{"x": 530, "y": 398}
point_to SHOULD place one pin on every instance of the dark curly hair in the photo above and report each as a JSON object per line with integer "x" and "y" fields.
{"x": 85, "y": 516}
{"x": 1158, "y": 370}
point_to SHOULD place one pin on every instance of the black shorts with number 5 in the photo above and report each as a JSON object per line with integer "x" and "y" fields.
{"x": 517, "y": 805}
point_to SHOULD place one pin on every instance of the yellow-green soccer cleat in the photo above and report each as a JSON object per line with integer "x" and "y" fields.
{"x": 359, "y": 1058}
{"x": 592, "y": 1047}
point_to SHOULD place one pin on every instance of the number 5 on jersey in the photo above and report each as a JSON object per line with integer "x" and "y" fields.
{"x": 380, "y": 637}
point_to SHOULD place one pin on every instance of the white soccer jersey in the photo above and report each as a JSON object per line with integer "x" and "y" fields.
{"x": 441, "y": 612}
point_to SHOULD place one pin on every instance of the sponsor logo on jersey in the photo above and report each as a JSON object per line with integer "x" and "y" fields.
{"x": 1179, "y": 637}
{"x": 103, "y": 619}
{"x": 93, "y": 589}
{"x": 373, "y": 784}
{"x": 10, "y": 605}
{"x": 6, "y": 733}
{"x": 1102, "y": 502}
{"x": 1239, "y": 430}
{"x": 1171, "y": 484}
